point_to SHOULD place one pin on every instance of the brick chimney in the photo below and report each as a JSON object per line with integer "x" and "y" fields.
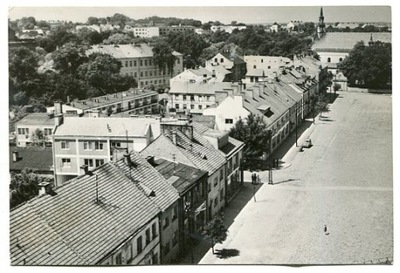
{"x": 44, "y": 188}
{"x": 174, "y": 137}
{"x": 58, "y": 113}
{"x": 85, "y": 169}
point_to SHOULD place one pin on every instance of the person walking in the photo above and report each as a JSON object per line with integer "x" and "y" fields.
{"x": 325, "y": 229}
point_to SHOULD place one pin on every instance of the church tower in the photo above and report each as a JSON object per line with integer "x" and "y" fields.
{"x": 321, "y": 24}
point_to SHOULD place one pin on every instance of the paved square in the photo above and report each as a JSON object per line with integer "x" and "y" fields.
{"x": 344, "y": 182}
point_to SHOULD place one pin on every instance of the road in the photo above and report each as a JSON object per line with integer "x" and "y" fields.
{"x": 344, "y": 182}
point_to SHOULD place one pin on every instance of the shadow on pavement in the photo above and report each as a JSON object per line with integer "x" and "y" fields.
{"x": 226, "y": 253}
{"x": 331, "y": 97}
{"x": 286, "y": 181}
{"x": 232, "y": 209}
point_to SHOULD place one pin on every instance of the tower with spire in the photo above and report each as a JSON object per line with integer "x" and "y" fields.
{"x": 321, "y": 24}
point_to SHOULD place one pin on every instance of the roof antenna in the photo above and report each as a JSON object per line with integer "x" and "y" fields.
{"x": 174, "y": 159}
{"x": 97, "y": 189}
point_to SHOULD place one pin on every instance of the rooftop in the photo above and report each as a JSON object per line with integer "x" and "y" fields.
{"x": 38, "y": 159}
{"x": 108, "y": 127}
{"x": 201, "y": 88}
{"x": 183, "y": 176}
{"x": 72, "y": 227}
{"x": 37, "y": 119}
{"x": 109, "y": 99}
{"x": 125, "y": 51}
{"x": 346, "y": 40}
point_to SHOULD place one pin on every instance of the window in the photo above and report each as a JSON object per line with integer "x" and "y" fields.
{"x": 176, "y": 106}
{"x": 154, "y": 230}
{"x": 166, "y": 222}
{"x": 118, "y": 259}
{"x": 64, "y": 145}
{"x": 222, "y": 60}
{"x": 329, "y": 59}
{"x": 208, "y": 98}
{"x": 148, "y": 236}
{"x": 192, "y": 106}
{"x": 130, "y": 63}
{"x": 86, "y": 145}
{"x": 129, "y": 252}
{"x": 262, "y": 60}
{"x": 184, "y": 97}
{"x": 228, "y": 121}
{"x": 141, "y": 62}
{"x": 154, "y": 258}
{"x": 215, "y": 181}
{"x": 175, "y": 238}
{"x": 99, "y": 162}
{"x": 88, "y": 162}
{"x": 150, "y": 62}
{"x": 175, "y": 213}
{"x": 145, "y": 62}
{"x": 216, "y": 60}
{"x": 221, "y": 195}
{"x": 191, "y": 97}
{"x": 66, "y": 162}
{"x": 145, "y": 73}
{"x": 178, "y": 61}
{"x": 269, "y": 67}
{"x": 340, "y": 59}
{"x": 98, "y": 145}
{"x": 254, "y": 66}
{"x": 151, "y": 73}
{"x": 139, "y": 245}
{"x": 134, "y": 63}
{"x": 215, "y": 201}
{"x": 166, "y": 248}
{"x": 48, "y": 132}
{"x": 200, "y": 107}
{"x": 126, "y": 63}
{"x": 184, "y": 107}
{"x": 221, "y": 175}
{"x": 209, "y": 187}
{"x": 141, "y": 73}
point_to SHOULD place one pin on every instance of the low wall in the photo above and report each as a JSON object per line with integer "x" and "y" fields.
{"x": 369, "y": 90}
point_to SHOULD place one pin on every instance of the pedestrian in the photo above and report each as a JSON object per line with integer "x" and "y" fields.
{"x": 325, "y": 229}
{"x": 253, "y": 178}
{"x": 258, "y": 179}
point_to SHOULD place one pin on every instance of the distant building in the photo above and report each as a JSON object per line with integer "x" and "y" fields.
{"x": 138, "y": 61}
{"x": 260, "y": 68}
{"x": 27, "y": 127}
{"x": 275, "y": 27}
{"x": 321, "y": 25}
{"x": 231, "y": 62}
{"x": 146, "y": 32}
{"x": 227, "y": 29}
{"x": 132, "y": 101}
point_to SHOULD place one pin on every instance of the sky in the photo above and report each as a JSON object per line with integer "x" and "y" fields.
{"x": 261, "y": 13}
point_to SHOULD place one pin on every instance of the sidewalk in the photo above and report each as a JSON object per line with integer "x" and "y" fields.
{"x": 284, "y": 154}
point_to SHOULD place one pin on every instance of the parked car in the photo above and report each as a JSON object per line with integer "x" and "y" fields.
{"x": 307, "y": 143}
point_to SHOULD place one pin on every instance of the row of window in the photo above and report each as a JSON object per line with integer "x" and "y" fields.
{"x": 87, "y": 145}
{"x": 150, "y": 235}
{"x": 192, "y": 106}
{"x": 171, "y": 244}
{"x": 173, "y": 218}
{"x": 66, "y": 162}
{"x": 329, "y": 59}
{"x": 25, "y": 131}
{"x": 133, "y": 63}
{"x": 192, "y": 97}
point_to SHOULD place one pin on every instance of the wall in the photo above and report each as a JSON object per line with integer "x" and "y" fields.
{"x": 168, "y": 233}
{"x": 335, "y": 57}
{"x": 216, "y": 185}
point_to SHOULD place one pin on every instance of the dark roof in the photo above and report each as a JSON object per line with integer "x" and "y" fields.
{"x": 183, "y": 176}
{"x": 37, "y": 119}
{"x": 149, "y": 179}
{"x": 38, "y": 159}
{"x": 71, "y": 228}
{"x": 235, "y": 59}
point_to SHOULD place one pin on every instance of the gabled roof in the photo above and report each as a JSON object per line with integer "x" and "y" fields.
{"x": 143, "y": 173}
{"x": 107, "y": 127}
{"x": 200, "y": 88}
{"x": 72, "y": 228}
{"x": 234, "y": 58}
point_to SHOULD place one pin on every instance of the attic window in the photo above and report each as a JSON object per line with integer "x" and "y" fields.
{"x": 268, "y": 113}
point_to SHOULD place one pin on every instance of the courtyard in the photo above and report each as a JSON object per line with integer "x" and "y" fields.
{"x": 344, "y": 182}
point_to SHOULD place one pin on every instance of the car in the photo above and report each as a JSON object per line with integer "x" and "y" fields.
{"x": 307, "y": 143}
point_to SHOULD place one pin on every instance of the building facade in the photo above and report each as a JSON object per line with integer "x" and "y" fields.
{"x": 138, "y": 61}
{"x": 34, "y": 128}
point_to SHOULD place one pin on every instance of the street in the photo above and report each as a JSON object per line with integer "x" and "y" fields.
{"x": 344, "y": 181}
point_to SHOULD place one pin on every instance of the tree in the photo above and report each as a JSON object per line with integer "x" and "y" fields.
{"x": 93, "y": 20}
{"x": 255, "y": 135}
{"x": 163, "y": 57}
{"x": 118, "y": 39}
{"x": 336, "y": 87}
{"x": 68, "y": 58}
{"x": 325, "y": 80}
{"x": 22, "y": 64}
{"x": 24, "y": 186}
{"x": 368, "y": 66}
{"x": 38, "y": 138}
{"x": 216, "y": 231}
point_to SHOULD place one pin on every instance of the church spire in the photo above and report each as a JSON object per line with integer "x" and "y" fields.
{"x": 321, "y": 24}
{"x": 321, "y": 14}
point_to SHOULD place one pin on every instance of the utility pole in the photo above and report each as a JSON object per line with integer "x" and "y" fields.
{"x": 296, "y": 124}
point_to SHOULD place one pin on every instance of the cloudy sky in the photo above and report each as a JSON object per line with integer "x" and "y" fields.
{"x": 261, "y": 13}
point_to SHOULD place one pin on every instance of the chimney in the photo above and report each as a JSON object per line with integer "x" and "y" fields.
{"x": 44, "y": 188}
{"x": 174, "y": 137}
{"x": 58, "y": 113}
{"x": 85, "y": 169}
{"x": 15, "y": 156}
{"x": 127, "y": 159}
{"x": 150, "y": 159}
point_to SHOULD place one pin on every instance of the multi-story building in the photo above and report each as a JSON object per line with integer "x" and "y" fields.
{"x": 195, "y": 96}
{"x": 180, "y": 142}
{"x": 98, "y": 218}
{"x": 133, "y": 101}
{"x": 230, "y": 61}
{"x": 191, "y": 184}
{"x": 146, "y": 32}
{"x": 260, "y": 68}
{"x": 163, "y": 195}
{"x": 34, "y": 127}
{"x": 79, "y": 141}
{"x": 138, "y": 61}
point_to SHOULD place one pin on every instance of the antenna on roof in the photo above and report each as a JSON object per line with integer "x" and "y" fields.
{"x": 174, "y": 159}
{"x": 97, "y": 189}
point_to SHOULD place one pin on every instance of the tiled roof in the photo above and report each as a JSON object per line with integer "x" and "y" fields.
{"x": 236, "y": 59}
{"x": 71, "y": 228}
{"x": 184, "y": 176}
{"x": 125, "y": 51}
{"x": 107, "y": 127}
{"x": 38, "y": 159}
{"x": 37, "y": 119}
{"x": 197, "y": 152}
{"x": 148, "y": 177}
{"x": 347, "y": 40}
